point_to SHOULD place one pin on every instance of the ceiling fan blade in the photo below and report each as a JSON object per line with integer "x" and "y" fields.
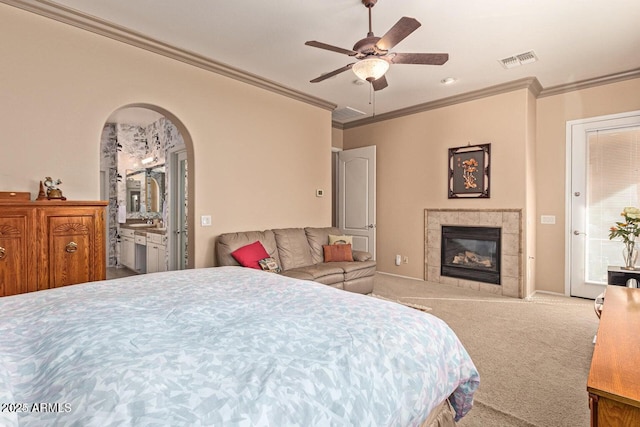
{"x": 332, "y": 73}
{"x": 380, "y": 83}
{"x": 419, "y": 58}
{"x": 320, "y": 45}
{"x": 398, "y": 32}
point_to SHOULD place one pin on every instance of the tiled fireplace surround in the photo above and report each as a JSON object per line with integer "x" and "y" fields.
{"x": 509, "y": 220}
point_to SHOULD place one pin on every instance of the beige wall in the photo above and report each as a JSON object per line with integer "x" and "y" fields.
{"x": 412, "y": 167}
{"x": 552, "y": 114}
{"x": 337, "y": 138}
{"x": 255, "y": 153}
{"x": 528, "y": 169}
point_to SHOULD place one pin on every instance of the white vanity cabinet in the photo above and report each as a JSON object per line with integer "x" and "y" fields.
{"x": 156, "y": 252}
{"x": 127, "y": 248}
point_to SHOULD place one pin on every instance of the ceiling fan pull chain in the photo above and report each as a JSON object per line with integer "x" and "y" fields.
{"x": 373, "y": 96}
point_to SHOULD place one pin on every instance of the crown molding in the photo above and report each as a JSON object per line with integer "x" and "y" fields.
{"x": 530, "y": 83}
{"x": 95, "y": 25}
{"x": 585, "y": 84}
{"x": 337, "y": 125}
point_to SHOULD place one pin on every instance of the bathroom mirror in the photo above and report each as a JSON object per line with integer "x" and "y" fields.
{"x": 146, "y": 189}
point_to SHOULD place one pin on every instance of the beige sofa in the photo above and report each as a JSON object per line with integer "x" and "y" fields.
{"x": 299, "y": 253}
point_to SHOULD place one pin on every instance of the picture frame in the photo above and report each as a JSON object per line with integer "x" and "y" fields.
{"x": 469, "y": 171}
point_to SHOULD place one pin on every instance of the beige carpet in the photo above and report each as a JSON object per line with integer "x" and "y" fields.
{"x": 533, "y": 356}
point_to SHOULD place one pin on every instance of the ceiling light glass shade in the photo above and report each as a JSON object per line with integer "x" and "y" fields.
{"x": 370, "y": 69}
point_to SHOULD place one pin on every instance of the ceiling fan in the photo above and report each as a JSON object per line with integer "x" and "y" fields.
{"x": 373, "y": 53}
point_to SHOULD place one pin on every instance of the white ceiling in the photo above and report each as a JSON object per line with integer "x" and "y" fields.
{"x": 575, "y": 40}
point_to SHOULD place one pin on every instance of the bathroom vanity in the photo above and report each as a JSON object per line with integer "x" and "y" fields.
{"x": 143, "y": 247}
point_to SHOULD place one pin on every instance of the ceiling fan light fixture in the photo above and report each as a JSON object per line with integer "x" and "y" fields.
{"x": 370, "y": 69}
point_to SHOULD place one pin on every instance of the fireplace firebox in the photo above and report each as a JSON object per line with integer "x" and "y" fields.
{"x": 471, "y": 253}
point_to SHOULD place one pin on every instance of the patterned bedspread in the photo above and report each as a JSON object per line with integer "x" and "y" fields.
{"x": 223, "y": 346}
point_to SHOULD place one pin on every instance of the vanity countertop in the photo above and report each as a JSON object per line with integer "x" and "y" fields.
{"x": 141, "y": 228}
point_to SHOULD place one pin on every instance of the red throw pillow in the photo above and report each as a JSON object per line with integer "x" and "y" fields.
{"x": 249, "y": 255}
{"x": 336, "y": 253}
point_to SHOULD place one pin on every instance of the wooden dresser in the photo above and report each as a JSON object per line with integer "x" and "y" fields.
{"x": 50, "y": 243}
{"x": 614, "y": 377}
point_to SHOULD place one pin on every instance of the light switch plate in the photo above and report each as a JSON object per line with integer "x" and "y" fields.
{"x": 205, "y": 220}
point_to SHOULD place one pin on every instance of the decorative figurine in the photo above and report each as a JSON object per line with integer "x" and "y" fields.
{"x": 53, "y": 192}
{"x": 41, "y": 194}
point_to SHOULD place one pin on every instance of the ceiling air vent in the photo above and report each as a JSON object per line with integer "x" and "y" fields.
{"x": 527, "y": 57}
{"x": 346, "y": 113}
{"x": 519, "y": 59}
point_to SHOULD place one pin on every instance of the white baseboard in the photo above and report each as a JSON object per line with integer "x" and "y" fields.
{"x": 559, "y": 294}
{"x": 400, "y": 276}
{"x": 533, "y": 294}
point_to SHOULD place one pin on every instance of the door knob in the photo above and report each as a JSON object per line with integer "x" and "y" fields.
{"x": 577, "y": 233}
{"x": 3, "y": 252}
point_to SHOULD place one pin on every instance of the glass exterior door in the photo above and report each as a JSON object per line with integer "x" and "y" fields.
{"x": 604, "y": 179}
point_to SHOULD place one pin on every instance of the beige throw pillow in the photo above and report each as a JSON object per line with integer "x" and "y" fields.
{"x": 340, "y": 240}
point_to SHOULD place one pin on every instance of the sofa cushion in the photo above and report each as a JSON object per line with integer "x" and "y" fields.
{"x": 328, "y": 274}
{"x": 362, "y": 285}
{"x": 355, "y": 270}
{"x": 293, "y": 248}
{"x": 361, "y": 255}
{"x": 249, "y": 255}
{"x": 317, "y": 238}
{"x": 337, "y": 253}
{"x": 319, "y": 270}
{"x": 297, "y": 274}
{"x": 229, "y": 242}
{"x": 334, "y": 280}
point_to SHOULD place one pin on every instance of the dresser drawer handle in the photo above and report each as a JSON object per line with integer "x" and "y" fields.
{"x": 71, "y": 247}
{"x": 3, "y": 252}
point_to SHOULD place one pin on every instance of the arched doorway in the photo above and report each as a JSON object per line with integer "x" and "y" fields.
{"x": 137, "y": 144}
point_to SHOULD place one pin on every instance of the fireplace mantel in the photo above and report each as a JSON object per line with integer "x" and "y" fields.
{"x": 509, "y": 220}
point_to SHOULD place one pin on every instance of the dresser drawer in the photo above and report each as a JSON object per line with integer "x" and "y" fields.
{"x": 125, "y": 232}
{"x": 140, "y": 239}
{"x": 155, "y": 238}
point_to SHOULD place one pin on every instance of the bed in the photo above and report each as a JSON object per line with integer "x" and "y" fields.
{"x": 225, "y": 346}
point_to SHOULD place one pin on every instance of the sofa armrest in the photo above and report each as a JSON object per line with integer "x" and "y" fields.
{"x": 361, "y": 256}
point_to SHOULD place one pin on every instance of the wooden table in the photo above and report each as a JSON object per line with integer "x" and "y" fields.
{"x": 614, "y": 377}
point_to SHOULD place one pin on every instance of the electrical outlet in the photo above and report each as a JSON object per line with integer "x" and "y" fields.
{"x": 405, "y": 260}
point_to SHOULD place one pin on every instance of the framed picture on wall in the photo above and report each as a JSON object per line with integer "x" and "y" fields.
{"x": 469, "y": 169}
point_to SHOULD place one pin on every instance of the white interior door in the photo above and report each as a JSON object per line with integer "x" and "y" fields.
{"x": 357, "y": 196}
{"x": 604, "y": 155}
